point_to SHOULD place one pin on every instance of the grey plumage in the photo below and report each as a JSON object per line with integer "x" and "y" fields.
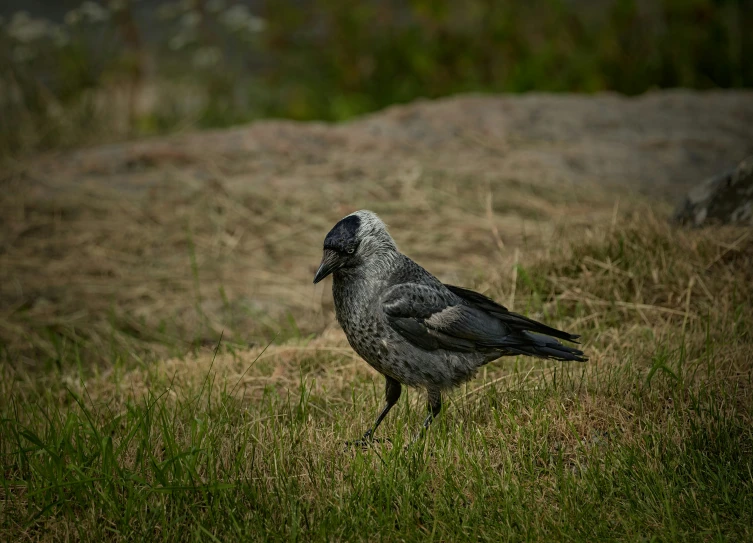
{"x": 412, "y": 328}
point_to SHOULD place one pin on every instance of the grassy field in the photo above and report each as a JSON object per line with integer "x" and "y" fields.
{"x": 149, "y": 393}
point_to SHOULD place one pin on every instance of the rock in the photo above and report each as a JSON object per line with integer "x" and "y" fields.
{"x": 726, "y": 198}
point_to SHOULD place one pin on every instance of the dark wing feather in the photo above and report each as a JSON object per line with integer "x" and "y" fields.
{"x": 433, "y": 318}
{"x": 514, "y": 320}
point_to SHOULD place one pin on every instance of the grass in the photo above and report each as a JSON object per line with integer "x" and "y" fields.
{"x": 115, "y": 426}
{"x": 90, "y": 275}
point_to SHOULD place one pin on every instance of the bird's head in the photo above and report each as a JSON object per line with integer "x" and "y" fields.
{"x": 355, "y": 239}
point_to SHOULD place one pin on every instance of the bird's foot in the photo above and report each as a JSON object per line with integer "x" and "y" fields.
{"x": 366, "y": 441}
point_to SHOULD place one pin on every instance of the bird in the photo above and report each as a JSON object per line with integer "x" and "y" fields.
{"x": 412, "y": 328}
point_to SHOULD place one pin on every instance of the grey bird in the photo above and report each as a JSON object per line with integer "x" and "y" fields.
{"x": 412, "y": 328}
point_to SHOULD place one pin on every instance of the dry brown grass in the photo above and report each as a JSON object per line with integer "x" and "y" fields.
{"x": 89, "y": 275}
{"x": 635, "y": 287}
{"x": 86, "y": 271}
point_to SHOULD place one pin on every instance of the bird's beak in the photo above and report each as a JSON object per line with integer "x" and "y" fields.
{"x": 329, "y": 264}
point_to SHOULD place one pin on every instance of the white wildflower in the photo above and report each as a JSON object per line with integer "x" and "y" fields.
{"x": 73, "y": 17}
{"x": 256, "y": 24}
{"x": 238, "y": 17}
{"x": 190, "y": 19}
{"x": 235, "y": 17}
{"x": 20, "y": 17}
{"x": 207, "y": 56}
{"x": 93, "y": 12}
{"x": 179, "y": 41}
{"x": 26, "y": 29}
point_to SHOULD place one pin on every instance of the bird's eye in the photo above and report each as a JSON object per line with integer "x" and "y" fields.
{"x": 351, "y": 251}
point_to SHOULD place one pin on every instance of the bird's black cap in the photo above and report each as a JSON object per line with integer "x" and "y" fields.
{"x": 339, "y": 244}
{"x": 343, "y": 234}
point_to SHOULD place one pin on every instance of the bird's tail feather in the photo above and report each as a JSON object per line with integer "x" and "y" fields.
{"x": 548, "y": 347}
{"x": 540, "y": 346}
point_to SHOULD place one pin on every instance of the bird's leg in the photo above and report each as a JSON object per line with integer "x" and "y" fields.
{"x": 392, "y": 392}
{"x": 434, "y": 405}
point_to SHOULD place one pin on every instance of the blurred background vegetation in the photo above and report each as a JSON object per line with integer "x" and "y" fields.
{"x": 73, "y": 73}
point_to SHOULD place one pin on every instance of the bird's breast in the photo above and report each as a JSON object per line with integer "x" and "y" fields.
{"x": 360, "y": 316}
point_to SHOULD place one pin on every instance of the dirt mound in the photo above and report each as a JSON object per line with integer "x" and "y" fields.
{"x": 664, "y": 141}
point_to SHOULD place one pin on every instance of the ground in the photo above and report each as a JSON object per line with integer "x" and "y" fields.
{"x": 171, "y": 372}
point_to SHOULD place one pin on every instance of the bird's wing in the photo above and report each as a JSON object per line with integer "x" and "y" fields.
{"x": 433, "y": 318}
{"x": 515, "y": 321}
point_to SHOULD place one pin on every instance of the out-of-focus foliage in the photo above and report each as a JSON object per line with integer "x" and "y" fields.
{"x": 125, "y": 67}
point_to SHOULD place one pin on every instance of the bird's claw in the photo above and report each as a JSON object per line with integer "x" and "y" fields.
{"x": 366, "y": 441}
{"x": 358, "y": 444}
